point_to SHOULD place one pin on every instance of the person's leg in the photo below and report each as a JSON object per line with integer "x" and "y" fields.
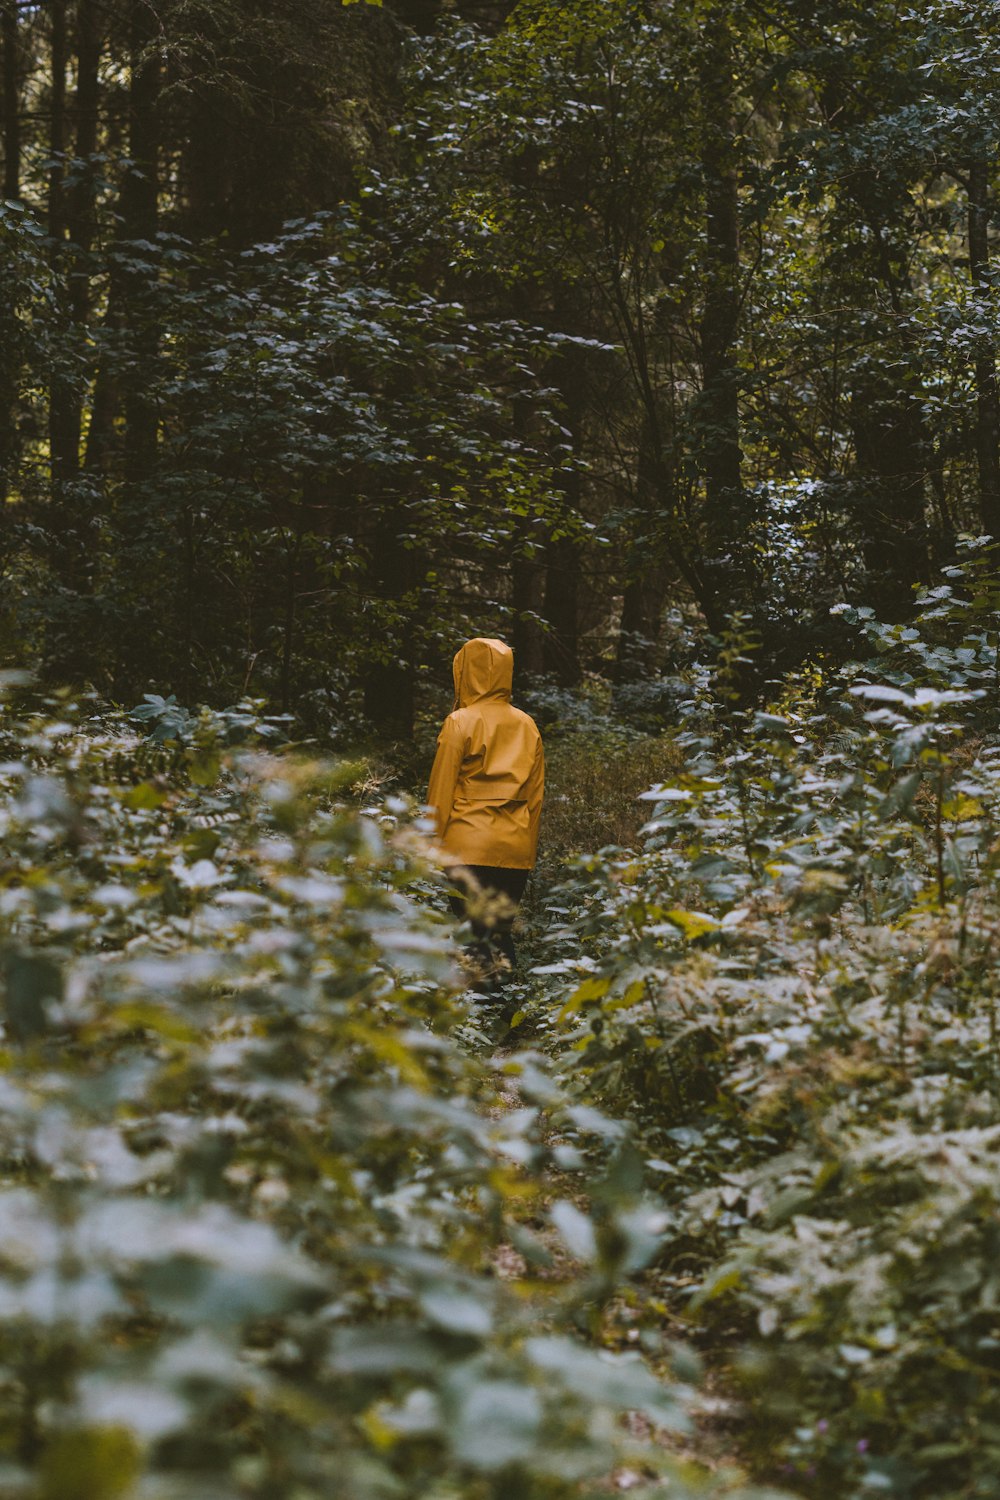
{"x": 466, "y": 900}
{"x": 502, "y": 890}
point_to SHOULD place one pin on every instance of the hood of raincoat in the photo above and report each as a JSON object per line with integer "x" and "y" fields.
{"x": 482, "y": 668}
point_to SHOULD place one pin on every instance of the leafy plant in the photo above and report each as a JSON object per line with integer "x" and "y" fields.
{"x": 253, "y": 1187}
{"x": 790, "y": 989}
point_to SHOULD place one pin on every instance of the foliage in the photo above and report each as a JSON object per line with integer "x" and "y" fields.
{"x": 330, "y": 334}
{"x": 252, "y": 1190}
{"x": 791, "y": 989}
{"x": 360, "y": 346}
{"x": 292, "y": 394}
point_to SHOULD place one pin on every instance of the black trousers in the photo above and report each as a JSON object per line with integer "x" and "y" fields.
{"x": 476, "y": 898}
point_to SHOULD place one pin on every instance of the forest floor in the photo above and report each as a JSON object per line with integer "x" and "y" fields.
{"x": 713, "y": 1443}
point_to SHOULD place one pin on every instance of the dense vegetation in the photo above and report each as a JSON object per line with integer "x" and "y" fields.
{"x": 252, "y": 1191}
{"x": 660, "y": 340}
{"x": 331, "y": 332}
{"x": 791, "y": 989}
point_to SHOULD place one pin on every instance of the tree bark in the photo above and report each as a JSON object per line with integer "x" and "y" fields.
{"x": 562, "y": 589}
{"x": 889, "y": 427}
{"x": 57, "y": 116}
{"x": 562, "y": 554}
{"x": 80, "y": 215}
{"x": 9, "y": 361}
{"x": 139, "y": 207}
{"x": 389, "y": 696}
{"x": 63, "y": 401}
{"x": 645, "y": 575}
{"x": 527, "y": 571}
{"x": 987, "y": 401}
{"x": 80, "y": 219}
{"x": 288, "y": 632}
{"x": 10, "y": 36}
{"x": 528, "y": 580}
{"x": 104, "y": 405}
{"x": 721, "y": 455}
{"x": 890, "y": 441}
{"x": 72, "y": 228}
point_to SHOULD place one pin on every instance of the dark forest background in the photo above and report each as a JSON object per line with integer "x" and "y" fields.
{"x": 332, "y": 333}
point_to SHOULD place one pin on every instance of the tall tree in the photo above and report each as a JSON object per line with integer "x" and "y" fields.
{"x": 81, "y": 224}
{"x": 719, "y": 414}
{"x": 58, "y": 58}
{"x": 64, "y": 433}
{"x": 9, "y": 365}
{"x": 138, "y": 255}
{"x": 987, "y": 396}
{"x": 10, "y": 41}
{"x": 73, "y": 250}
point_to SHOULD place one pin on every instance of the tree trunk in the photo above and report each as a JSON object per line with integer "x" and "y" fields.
{"x": 139, "y": 196}
{"x": 645, "y": 575}
{"x": 528, "y": 580}
{"x": 63, "y": 451}
{"x": 389, "y": 698}
{"x": 288, "y": 631}
{"x": 215, "y": 122}
{"x": 527, "y": 572}
{"x": 562, "y": 554}
{"x": 890, "y": 441}
{"x": 889, "y": 427}
{"x": 987, "y": 402}
{"x": 638, "y": 636}
{"x": 562, "y": 588}
{"x": 9, "y": 361}
{"x": 9, "y": 35}
{"x": 103, "y": 408}
{"x": 80, "y": 214}
{"x": 72, "y": 227}
{"x": 721, "y": 456}
{"x": 80, "y": 218}
{"x": 66, "y": 530}
{"x": 57, "y": 132}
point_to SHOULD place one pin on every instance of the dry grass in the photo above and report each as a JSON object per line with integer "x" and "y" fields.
{"x": 592, "y": 787}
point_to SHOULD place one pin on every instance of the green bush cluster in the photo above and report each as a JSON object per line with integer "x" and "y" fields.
{"x": 792, "y": 989}
{"x": 254, "y": 1178}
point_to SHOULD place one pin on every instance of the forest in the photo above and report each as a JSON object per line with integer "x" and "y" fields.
{"x": 660, "y": 342}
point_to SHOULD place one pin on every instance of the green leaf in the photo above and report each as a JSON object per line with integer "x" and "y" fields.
{"x": 94, "y": 1463}
{"x": 32, "y": 983}
{"x": 495, "y": 1423}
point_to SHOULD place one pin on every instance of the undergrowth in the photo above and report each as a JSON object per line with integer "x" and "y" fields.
{"x": 252, "y": 1186}
{"x": 790, "y": 991}
{"x": 593, "y": 787}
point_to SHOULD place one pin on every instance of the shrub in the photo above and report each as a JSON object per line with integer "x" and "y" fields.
{"x": 791, "y": 991}
{"x": 251, "y": 1195}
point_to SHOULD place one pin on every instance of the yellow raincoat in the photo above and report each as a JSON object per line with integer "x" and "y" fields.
{"x": 489, "y": 772}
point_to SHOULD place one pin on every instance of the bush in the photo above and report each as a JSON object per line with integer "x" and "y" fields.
{"x": 251, "y": 1194}
{"x": 791, "y": 990}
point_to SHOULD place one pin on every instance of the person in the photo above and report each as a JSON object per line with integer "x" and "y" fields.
{"x": 486, "y": 790}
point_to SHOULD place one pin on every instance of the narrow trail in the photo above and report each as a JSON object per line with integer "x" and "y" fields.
{"x": 712, "y": 1443}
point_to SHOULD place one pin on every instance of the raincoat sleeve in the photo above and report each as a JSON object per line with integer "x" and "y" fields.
{"x": 444, "y": 773}
{"x": 533, "y": 794}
